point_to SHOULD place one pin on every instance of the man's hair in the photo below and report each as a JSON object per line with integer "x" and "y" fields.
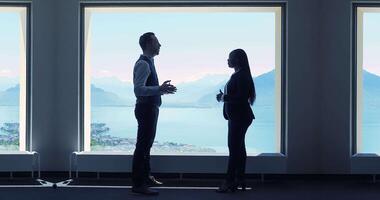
{"x": 145, "y": 39}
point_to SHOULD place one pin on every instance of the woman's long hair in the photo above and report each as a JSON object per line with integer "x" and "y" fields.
{"x": 241, "y": 60}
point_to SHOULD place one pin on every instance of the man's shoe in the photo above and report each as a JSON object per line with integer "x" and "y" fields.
{"x": 227, "y": 186}
{"x": 145, "y": 190}
{"x": 153, "y": 182}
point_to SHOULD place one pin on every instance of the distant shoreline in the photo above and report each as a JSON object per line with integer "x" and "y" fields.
{"x": 163, "y": 106}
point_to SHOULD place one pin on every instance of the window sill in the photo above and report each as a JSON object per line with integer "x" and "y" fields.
{"x": 17, "y": 161}
{"x": 121, "y": 162}
{"x": 365, "y": 163}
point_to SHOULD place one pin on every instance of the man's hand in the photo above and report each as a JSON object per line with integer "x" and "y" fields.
{"x": 219, "y": 96}
{"x": 167, "y": 88}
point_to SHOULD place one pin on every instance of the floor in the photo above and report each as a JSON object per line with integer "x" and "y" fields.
{"x": 119, "y": 189}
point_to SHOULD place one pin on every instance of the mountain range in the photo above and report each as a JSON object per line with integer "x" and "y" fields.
{"x": 10, "y": 97}
{"x": 111, "y": 91}
{"x": 198, "y": 93}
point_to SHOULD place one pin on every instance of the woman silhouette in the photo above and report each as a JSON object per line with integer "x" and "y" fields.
{"x": 239, "y": 94}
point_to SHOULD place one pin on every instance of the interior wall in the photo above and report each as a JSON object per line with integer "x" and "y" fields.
{"x": 335, "y": 49}
{"x": 43, "y": 118}
{"x": 302, "y": 66}
{"x": 318, "y": 75}
{"x": 336, "y": 86}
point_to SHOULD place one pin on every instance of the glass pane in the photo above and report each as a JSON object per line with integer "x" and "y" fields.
{"x": 194, "y": 52}
{"x": 371, "y": 83}
{"x": 12, "y": 78}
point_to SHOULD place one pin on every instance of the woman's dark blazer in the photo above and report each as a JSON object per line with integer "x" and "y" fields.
{"x": 236, "y": 106}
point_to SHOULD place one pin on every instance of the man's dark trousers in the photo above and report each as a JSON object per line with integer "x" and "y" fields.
{"x": 146, "y": 115}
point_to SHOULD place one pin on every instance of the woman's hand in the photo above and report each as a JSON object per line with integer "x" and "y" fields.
{"x": 219, "y": 96}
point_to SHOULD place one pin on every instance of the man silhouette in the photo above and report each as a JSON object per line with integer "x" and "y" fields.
{"x": 148, "y": 93}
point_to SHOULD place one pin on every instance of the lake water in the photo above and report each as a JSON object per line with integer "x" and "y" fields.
{"x": 9, "y": 114}
{"x": 203, "y": 127}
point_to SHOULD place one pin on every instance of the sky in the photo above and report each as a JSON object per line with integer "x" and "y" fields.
{"x": 371, "y": 43}
{"x": 193, "y": 44}
{"x": 9, "y": 44}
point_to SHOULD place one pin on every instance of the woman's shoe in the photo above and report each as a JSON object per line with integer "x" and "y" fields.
{"x": 227, "y": 187}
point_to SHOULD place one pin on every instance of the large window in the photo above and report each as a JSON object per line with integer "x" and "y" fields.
{"x": 13, "y": 78}
{"x": 195, "y": 42}
{"x": 368, "y": 79}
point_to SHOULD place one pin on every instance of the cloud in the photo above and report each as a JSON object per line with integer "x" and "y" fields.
{"x": 103, "y": 73}
{"x": 5, "y": 72}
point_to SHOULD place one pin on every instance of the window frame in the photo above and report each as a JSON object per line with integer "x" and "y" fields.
{"x": 355, "y": 109}
{"x": 28, "y": 71}
{"x": 283, "y": 64}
